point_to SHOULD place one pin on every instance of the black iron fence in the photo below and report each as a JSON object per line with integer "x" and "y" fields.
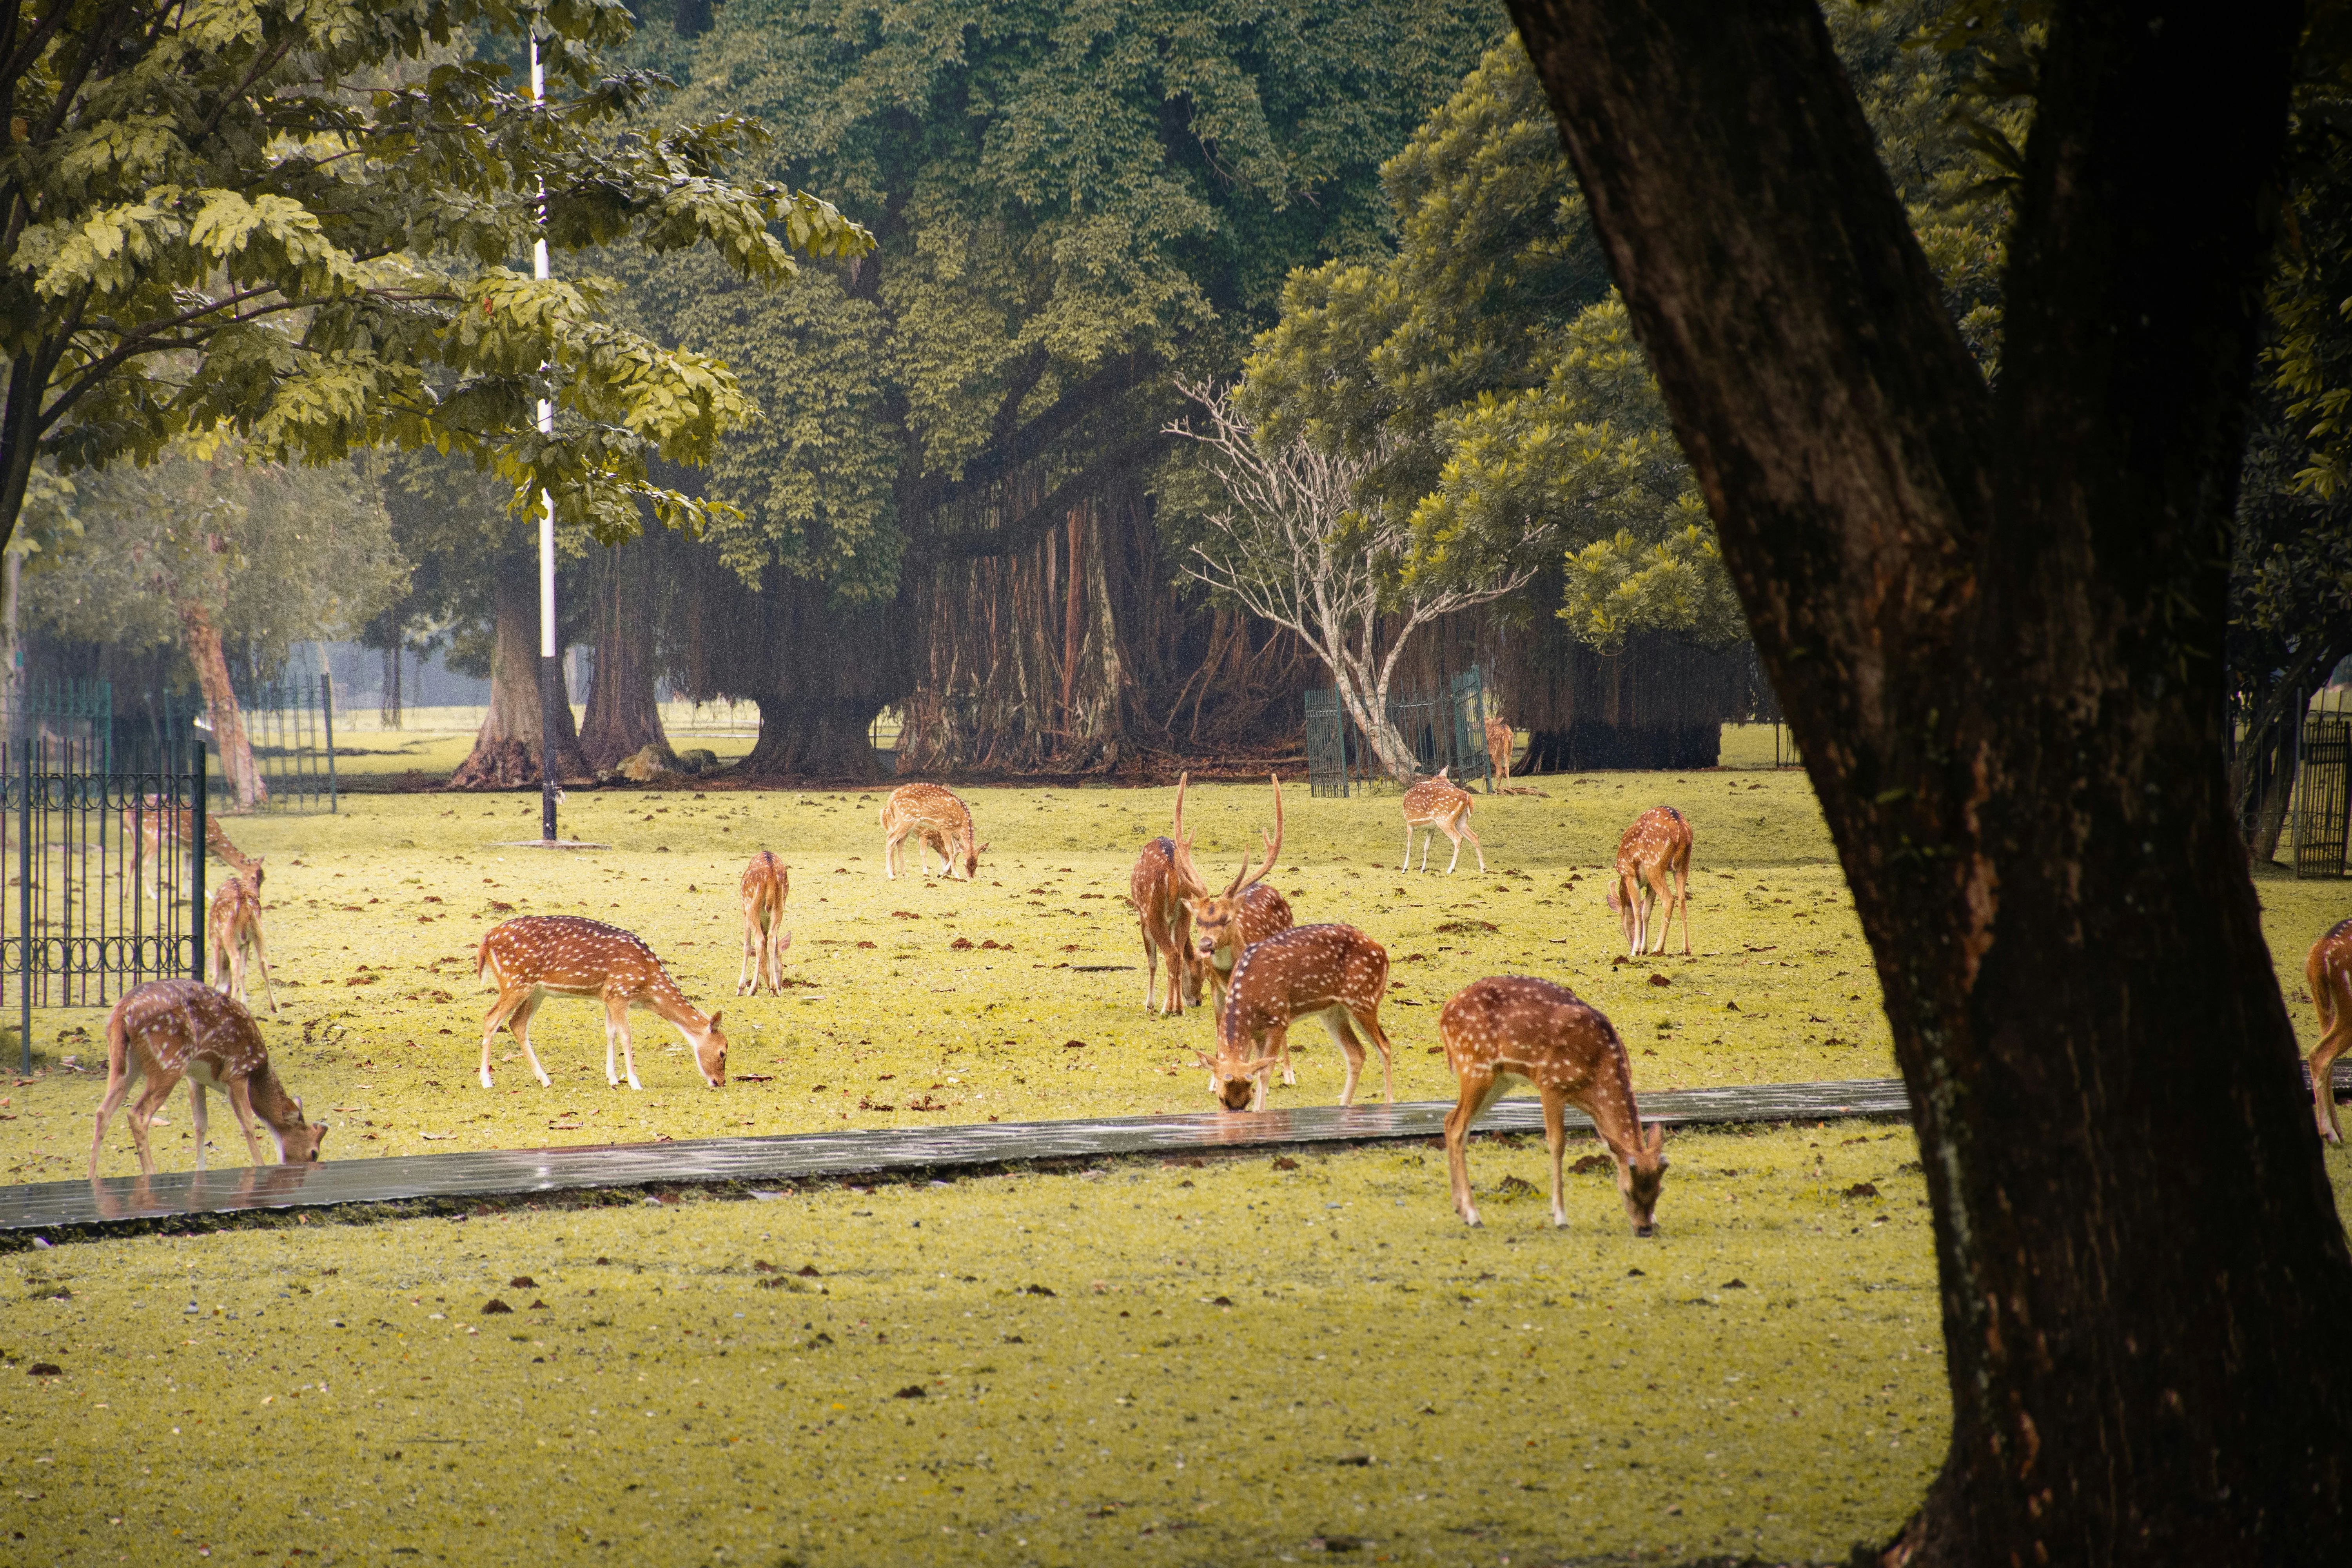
{"x": 2323, "y": 804}
{"x": 1444, "y": 728}
{"x": 291, "y": 725}
{"x": 106, "y": 868}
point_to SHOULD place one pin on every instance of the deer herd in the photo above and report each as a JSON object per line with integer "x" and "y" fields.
{"x": 1238, "y": 951}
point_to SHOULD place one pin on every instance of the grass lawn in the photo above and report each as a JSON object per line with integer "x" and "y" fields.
{"x": 1236, "y": 1362}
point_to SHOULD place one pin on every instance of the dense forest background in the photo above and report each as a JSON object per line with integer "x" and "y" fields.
{"x": 965, "y": 501}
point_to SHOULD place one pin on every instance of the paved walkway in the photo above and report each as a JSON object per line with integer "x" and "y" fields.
{"x": 771, "y": 1162}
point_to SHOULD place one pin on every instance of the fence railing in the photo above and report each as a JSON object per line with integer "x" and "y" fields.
{"x": 108, "y": 874}
{"x": 2322, "y": 826}
{"x": 1445, "y": 728}
{"x": 291, "y": 727}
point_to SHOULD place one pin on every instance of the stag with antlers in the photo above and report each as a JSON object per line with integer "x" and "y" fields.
{"x": 1158, "y": 890}
{"x": 1333, "y": 974}
{"x": 1248, "y": 912}
{"x": 1439, "y": 806}
{"x": 1652, "y": 874}
{"x": 1506, "y": 1030}
{"x": 169, "y": 1029}
{"x": 936, "y": 819}
{"x": 765, "y": 886}
{"x": 534, "y": 957}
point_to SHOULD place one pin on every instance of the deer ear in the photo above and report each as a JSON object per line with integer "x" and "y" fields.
{"x": 1656, "y": 1139}
{"x": 714, "y": 1020}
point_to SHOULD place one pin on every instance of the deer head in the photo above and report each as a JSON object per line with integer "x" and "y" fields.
{"x": 1640, "y": 1175}
{"x": 298, "y": 1142}
{"x": 1233, "y": 1081}
{"x": 1216, "y": 921}
{"x": 710, "y": 1051}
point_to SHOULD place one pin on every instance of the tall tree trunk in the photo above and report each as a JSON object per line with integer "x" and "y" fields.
{"x": 814, "y": 738}
{"x": 221, "y": 710}
{"x": 1996, "y": 620}
{"x": 623, "y": 717}
{"x": 506, "y": 751}
{"x": 387, "y": 705}
{"x": 1073, "y": 636}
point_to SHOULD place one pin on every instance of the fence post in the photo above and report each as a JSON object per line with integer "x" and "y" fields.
{"x": 24, "y": 900}
{"x": 327, "y": 707}
{"x": 196, "y": 874}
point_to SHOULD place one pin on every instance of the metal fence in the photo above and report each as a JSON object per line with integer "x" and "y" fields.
{"x": 2323, "y": 796}
{"x": 1445, "y": 728}
{"x": 108, "y": 874}
{"x": 291, "y": 726}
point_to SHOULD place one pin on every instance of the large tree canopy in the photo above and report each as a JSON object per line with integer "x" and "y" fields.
{"x": 302, "y": 221}
{"x": 1996, "y": 613}
{"x": 1072, "y": 201}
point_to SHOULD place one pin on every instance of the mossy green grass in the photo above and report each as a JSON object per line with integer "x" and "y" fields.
{"x": 1230, "y": 1362}
{"x": 900, "y": 1013}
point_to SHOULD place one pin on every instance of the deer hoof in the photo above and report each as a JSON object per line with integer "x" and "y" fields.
{"x": 486, "y": 1080}
{"x": 1470, "y": 1217}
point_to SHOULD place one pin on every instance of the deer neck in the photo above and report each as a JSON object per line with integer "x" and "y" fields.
{"x": 271, "y": 1101}
{"x": 670, "y": 1005}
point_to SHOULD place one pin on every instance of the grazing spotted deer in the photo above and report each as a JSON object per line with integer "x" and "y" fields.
{"x": 937, "y": 820}
{"x": 1499, "y": 748}
{"x": 1331, "y": 972}
{"x": 1439, "y": 806}
{"x": 158, "y": 836}
{"x": 1159, "y": 891}
{"x": 1653, "y": 870}
{"x": 1247, "y": 912}
{"x": 766, "y": 884}
{"x": 537, "y": 956}
{"x": 169, "y": 1029}
{"x": 1503, "y": 1029}
{"x": 232, "y": 928}
{"x": 2328, "y": 973}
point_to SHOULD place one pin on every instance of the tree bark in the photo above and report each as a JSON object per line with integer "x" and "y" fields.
{"x": 221, "y": 710}
{"x": 506, "y": 751}
{"x": 814, "y": 738}
{"x": 622, "y": 717}
{"x": 1995, "y": 621}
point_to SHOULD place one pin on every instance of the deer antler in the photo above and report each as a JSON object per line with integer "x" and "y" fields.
{"x": 1194, "y": 887}
{"x": 1247, "y": 879}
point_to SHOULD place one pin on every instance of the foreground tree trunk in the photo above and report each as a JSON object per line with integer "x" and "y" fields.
{"x": 221, "y": 710}
{"x": 1995, "y": 621}
{"x": 622, "y": 717}
{"x": 506, "y": 751}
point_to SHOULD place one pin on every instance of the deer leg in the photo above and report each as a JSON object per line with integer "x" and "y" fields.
{"x": 1455, "y": 836}
{"x": 1556, "y": 1140}
{"x": 142, "y": 1113}
{"x": 1152, "y": 968}
{"x": 1406, "y": 864}
{"x": 1479, "y": 1087}
{"x": 261, "y": 960}
{"x": 1371, "y": 1025}
{"x": 508, "y": 999}
{"x": 240, "y": 1102}
{"x": 2323, "y": 1084}
{"x": 1335, "y": 1023}
{"x": 616, "y": 1023}
{"x": 118, "y": 1087}
{"x": 1263, "y": 1079}
{"x": 519, "y": 1026}
{"x": 746, "y": 977}
{"x": 197, "y": 1099}
{"x": 1475, "y": 847}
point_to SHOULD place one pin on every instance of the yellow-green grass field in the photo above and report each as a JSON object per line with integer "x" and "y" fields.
{"x": 1237, "y": 1361}
{"x": 375, "y": 915}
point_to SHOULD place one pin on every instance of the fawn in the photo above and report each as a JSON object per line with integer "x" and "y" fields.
{"x": 538, "y": 956}
{"x": 232, "y": 927}
{"x": 937, "y": 820}
{"x": 169, "y": 1029}
{"x": 1157, "y": 891}
{"x": 1332, "y": 973}
{"x": 766, "y": 884}
{"x": 1439, "y": 806}
{"x": 1653, "y": 869}
{"x": 1247, "y": 911}
{"x": 158, "y": 832}
{"x": 2328, "y": 973}
{"x": 1499, "y": 748}
{"x": 1500, "y": 1029}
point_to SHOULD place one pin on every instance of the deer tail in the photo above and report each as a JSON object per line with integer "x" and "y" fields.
{"x": 482, "y": 957}
{"x": 117, "y": 1043}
